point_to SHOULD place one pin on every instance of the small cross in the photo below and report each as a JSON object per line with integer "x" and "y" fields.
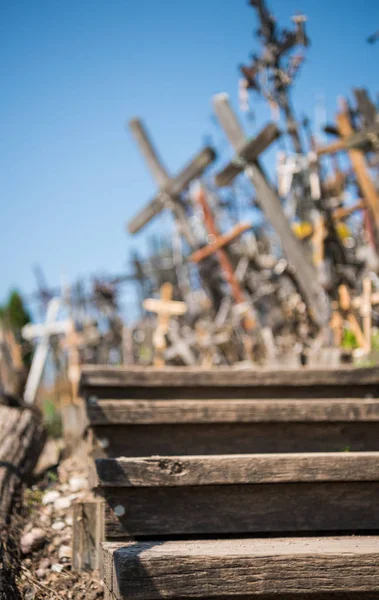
{"x": 43, "y": 332}
{"x": 217, "y": 246}
{"x": 165, "y": 308}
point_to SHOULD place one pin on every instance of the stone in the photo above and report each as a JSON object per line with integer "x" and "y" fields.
{"x": 50, "y": 497}
{"x": 64, "y": 552}
{"x": 33, "y": 540}
{"x": 62, "y": 503}
{"x": 58, "y": 525}
{"x": 77, "y": 484}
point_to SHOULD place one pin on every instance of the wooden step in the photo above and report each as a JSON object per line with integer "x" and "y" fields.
{"x": 239, "y": 494}
{"x": 344, "y": 568}
{"x": 226, "y": 382}
{"x": 147, "y": 427}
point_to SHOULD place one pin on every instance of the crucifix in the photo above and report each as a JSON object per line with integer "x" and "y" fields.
{"x": 43, "y": 332}
{"x": 217, "y": 246}
{"x": 165, "y": 308}
{"x": 304, "y": 272}
{"x": 170, "y": 188}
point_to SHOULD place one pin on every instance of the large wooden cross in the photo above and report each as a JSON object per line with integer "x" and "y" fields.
{"x": 43, "y": 332}
{"x": 165, "y": 308}
{"x": 356, "y": 143}
{"x": 304, "y": 272}
{"x": 170, "y": 188}
{"x": 217, "y": 246}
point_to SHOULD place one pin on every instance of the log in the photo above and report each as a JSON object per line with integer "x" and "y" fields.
{"x": 289, "y": 568}
{"x": 22, "y": 437}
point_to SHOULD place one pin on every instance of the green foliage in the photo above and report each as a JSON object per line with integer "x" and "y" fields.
{"x": 14, "y": 313}
{"x": 375, "y": 341}
{"x": 52, "y": 418}
{"x": 349, "y": 341}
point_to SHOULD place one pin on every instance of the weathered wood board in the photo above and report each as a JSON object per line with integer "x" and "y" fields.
{"x": 150, "y": 412}
{"x": 22, "y": 437}
{"x": 233, "y": 438}
{"x": 87, "y": 535}
{"x": 240, "y": 494}
{"x": 166, "y": 427}
{"x": 290, "y": 568}
{"x": 180, "y": 382}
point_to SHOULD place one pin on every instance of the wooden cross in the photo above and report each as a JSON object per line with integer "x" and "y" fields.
{"x": 364, "y": 140}
{"x": 217, "y": 246}
{"x": 354, "y": 144}
{"x": 72, "y": 342}
{"x": 304, "y": 271}
{"x": 360, "y": 168}
{"x": 169, "y": 188}
{"x": 165, "y": 308}
{"x": 43, "y": 332}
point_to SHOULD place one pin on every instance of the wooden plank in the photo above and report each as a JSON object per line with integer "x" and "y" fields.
{"x": 237, "y": 469}
{"x": 149, "y": 412}
{"x": 232, "y": 438}
{"x": 284, "y": 568}
{"x": 98, "y": 376}
{"x": 87, "y": 534}
{"x": 343, "y": 506}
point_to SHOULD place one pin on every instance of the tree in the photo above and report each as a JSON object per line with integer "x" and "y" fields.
{"x": 14, "y": 313}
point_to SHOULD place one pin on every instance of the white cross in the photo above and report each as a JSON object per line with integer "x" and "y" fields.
{"x": 42, "y": 331}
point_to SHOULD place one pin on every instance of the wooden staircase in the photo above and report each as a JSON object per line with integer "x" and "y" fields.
{"x": 227, "y": 483}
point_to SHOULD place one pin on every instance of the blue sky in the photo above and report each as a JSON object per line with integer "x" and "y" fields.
{"x": 73, "y": 72}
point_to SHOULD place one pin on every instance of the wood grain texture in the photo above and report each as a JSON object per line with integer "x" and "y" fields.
{"x": 237, "y": 469}
{"x": 95, "y": 375}
{"x": 106, "y": 412}
{"x": 243, "y": 509}
{"x": 87, "y": 534}
{"x": 22, "y": 437}
{"x": 112, "y": 441}
{"x": 254, "y": 568}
